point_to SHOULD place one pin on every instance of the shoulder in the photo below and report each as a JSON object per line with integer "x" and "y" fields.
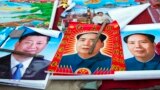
{"x": 104, "y": 60}
{"x": 7, "y": 56}
{"x": 131, "y": 62}
{"x": 36, "y": 69}
{"x": 5, "y": 67}
{"x": 4, "y": 58}
{"x": 40, "y": 62}
{"x": 130, "y": 59}
{"x": 69, "y": 59}
{"x": 104, "y": 57}
{"x": 157, "y": 55}
{"x": 71, "y": 56}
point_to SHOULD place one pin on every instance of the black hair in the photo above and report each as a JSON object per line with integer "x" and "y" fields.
{"x": 149, "y": 36}
{"x": 99, "y": 12}
{"x": 102, "y": 37}
{"x": 33, "y": 34}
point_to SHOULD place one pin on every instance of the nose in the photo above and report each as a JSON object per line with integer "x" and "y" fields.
{"x": 33, "y": 45}
{"x": 87, "y": 42}
{"x": 137, "y": 44}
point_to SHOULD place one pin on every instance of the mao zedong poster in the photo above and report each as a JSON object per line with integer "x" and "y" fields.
{"x": 74, "y": 56}
{"x": 25, "y": 55}
{"x": 141, "y": 47}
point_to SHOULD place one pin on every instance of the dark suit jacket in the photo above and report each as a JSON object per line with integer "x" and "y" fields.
{"x": 35, "y": 71}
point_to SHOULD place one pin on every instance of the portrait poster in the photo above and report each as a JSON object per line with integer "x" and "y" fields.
{"x": 141, "y": 52}
{"x": 149, "y": 29}
{"x": 111, "y": 50}
{"x": 87, "y": 11}
{"x": 40, "y": 45}
{"x": 30, "y": 13}
{"x": 154, "y": 11}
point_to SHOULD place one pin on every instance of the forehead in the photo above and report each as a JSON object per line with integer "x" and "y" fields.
{"x": 88, "y": 35}
{"x": 100, "y": 13}
{"x": 35, "y": 38}
{"x": 137, "y": 37}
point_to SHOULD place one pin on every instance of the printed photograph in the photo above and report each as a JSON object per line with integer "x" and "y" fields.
{"x": 141, "y": 47}
{"x": 91, "y": 11}
{"x": 33, "y": 14}
{"x": 86, "y": 51}
{"x": 26, "y": 53}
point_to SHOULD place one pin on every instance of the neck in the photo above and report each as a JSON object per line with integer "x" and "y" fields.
{"x": 21, "y": 58}
{"x": 86, "y": 56}
{"x": 145, "y": 59}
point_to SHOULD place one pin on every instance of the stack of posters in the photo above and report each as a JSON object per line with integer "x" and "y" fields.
{"x": 93, "y": 41}
{"x": 81, "y": 17}
{"x": 85, "y": 52}
{"x": 27, "y": 45}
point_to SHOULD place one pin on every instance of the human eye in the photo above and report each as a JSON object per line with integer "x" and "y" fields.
{"x": 143, "y": 42}
{"x": 81, "y": 39}
{"x": 131, "y": 42}
{"x": 39, "y": 43}
{"x": 28, "y": 42}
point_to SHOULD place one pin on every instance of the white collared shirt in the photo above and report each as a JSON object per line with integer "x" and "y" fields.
{"x": 101, "y": 19}
{"x": 14, "y": 62}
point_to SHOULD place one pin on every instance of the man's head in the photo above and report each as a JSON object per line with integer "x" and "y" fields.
{"x": 85, "y": 41}
{"x": 32, "y": 43}
{"x": 100, "y": 13}
{"x": 141, "y": 45}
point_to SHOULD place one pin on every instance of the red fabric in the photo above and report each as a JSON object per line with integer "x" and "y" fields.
{"x": 58, "y": 13}
{"x": 130, "y": 84}
{"x": 143, "y": 18}
{"x": 155, "y": 3}
{"x": 158, "y": 48}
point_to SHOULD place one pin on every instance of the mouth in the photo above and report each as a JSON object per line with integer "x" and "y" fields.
{"x": 139, "y": 51}
{"x": 85, "y": 48}
{"x": 30, "y": 51}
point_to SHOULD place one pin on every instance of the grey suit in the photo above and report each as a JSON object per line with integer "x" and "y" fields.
{"x": 35, "y": 71}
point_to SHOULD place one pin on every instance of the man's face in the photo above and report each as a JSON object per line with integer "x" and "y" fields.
{"x": 32, "y": 44}
{"x": 85, "y": 42}
{"x": 100, "y": 14}
{"x": 140, "y": 46}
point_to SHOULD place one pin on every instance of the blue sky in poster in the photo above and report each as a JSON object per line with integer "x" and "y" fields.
{"x": 4, "y": 0}
{"x": 4, "y": 33}
{"x": 100, "y": 3}
{"x": 92, "y": 3}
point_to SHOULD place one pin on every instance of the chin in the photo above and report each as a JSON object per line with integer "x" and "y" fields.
{"x": 31, "y": 52}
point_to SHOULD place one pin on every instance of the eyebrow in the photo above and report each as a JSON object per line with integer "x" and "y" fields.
{"x": 138, "y": 40}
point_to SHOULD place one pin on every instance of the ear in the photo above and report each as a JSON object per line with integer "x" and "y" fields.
{"x": 154, "y": 44}
{"x": 102, "y": 45}
{"x": 17, "y": 43}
